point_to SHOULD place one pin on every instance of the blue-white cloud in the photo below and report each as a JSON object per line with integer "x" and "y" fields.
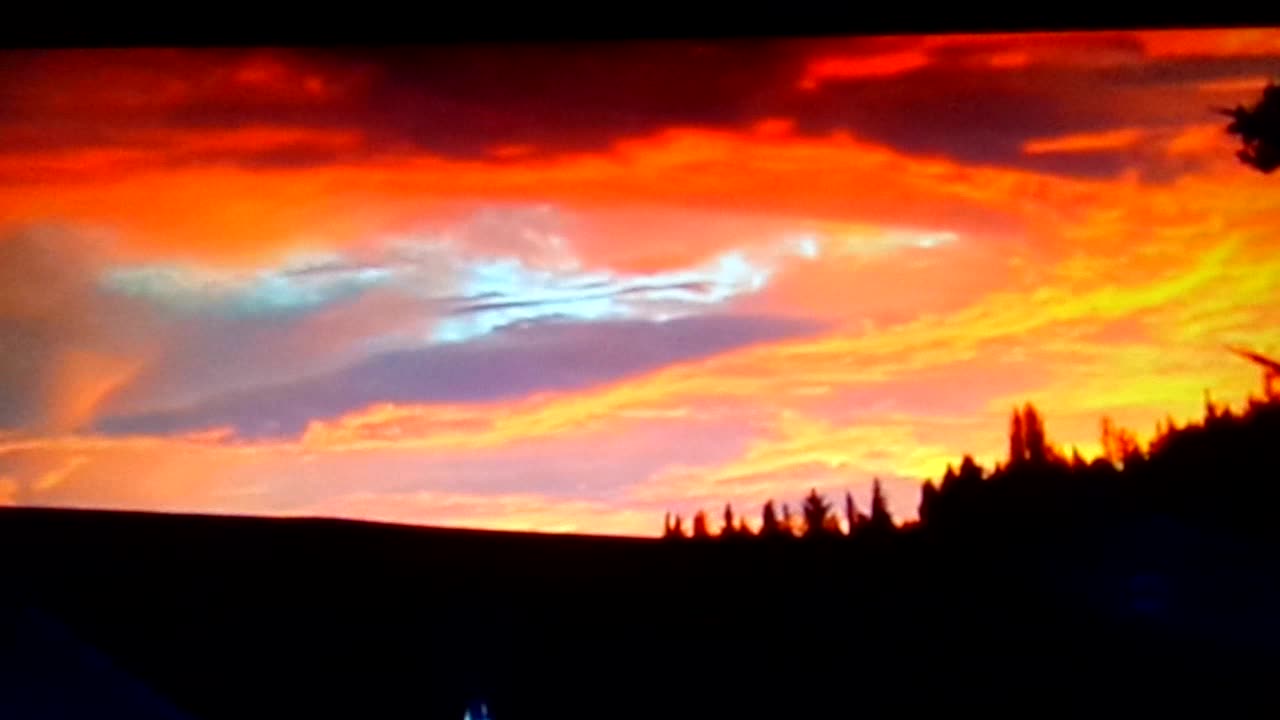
{"x": 292, "y": 288}
{"x": 505, "y": 292}
{"x": 468, "y": 284}
{"x": 229, "y": 331}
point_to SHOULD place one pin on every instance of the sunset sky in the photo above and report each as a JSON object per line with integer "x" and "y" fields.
{"x": 571, "y": 287}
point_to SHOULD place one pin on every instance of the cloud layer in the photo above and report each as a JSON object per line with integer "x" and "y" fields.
{"x": 571, "y": 287}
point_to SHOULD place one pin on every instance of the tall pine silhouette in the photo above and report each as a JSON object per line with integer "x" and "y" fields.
{"x": 769, "y": 525}
{"x": 700, "y": 531}
{"x": 880, "y": 522}
{"x": 816, "y": 511}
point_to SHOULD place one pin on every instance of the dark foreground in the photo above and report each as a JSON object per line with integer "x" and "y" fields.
{"x": 238, "y": 618}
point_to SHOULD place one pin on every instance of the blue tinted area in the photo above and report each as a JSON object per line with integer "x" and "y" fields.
{"x": 481, "y": 295}
{"x": 186, "y": 289}
{"x": 513, "y": 293}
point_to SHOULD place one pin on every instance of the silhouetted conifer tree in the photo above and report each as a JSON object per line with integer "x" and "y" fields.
{"x": 1077, "y": 460}
{"x": 970, "y": 474}
{"x": 700, "y": 531}
{"x": 880, "y": 520}
{"x": 1017, "y": 446}
{"x": 1118, "y": 444}
{"x": 948, "y": 478}
{"x": 831, "y": 526}
{"x": 769, "y": 527}
{"x": 788, "y": 521}
{"x": 1033, "y": 437}
{"x": 815, "y": 510}
{"x": 729, "y": 530}
{"x": 850, "y": 514}
{"x": 928, "y": 501}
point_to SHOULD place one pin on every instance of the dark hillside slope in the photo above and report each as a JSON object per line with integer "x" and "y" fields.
{"x": 238, "y": 617}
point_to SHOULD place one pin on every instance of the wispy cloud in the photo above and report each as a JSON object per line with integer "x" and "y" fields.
{"x": 507, "y": 365}
{"x": 460, "y": 286}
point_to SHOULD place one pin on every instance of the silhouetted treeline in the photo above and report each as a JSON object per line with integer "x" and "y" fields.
{"x": 1148, "y": 568}
{"x": 1219, "y": 473}
{"x": 1223, "y": 470}
{"x": 818, "y": 520}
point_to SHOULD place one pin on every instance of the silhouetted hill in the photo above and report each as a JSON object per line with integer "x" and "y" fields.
{"x": 298, "y": 615}
{"x": 238, "y": 617}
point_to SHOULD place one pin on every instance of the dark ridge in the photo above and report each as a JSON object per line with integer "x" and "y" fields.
{"x": 265, "y": 523}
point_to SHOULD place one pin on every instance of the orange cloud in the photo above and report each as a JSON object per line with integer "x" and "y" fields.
{"x": 1117, "y": 139}
{"x": 1248, "y": 86}
{"x": 81, "y": 381}
{"x": 1205, "y": 42}
{"x": 862, "y": 58}
{"x": 1201, "y": 141}
{"x": 845, "y": 68}
{"x": 198, "y": 474}
{"x": 248, "y": 215}
{"x": 1206, "y": 143}
{"x": 58, "y": 475}
{"x": 804, "y": 451}
{"x": 141, "y": 187}
{"x": 202, "y": 473}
